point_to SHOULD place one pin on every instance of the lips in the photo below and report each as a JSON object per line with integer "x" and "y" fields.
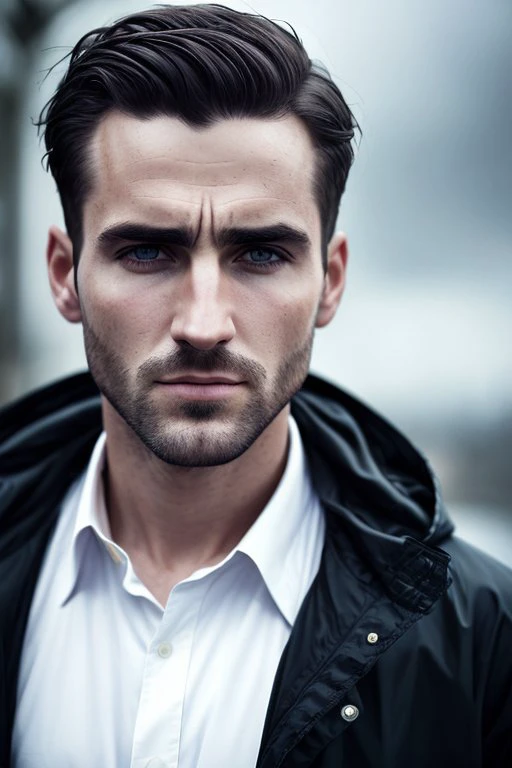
{"x": 196, "y": 387}
{"x": 192, "y": 378}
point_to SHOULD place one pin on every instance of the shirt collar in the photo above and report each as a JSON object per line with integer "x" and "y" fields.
{"x": 285, "y": 530}
{"x": 275, "y": 541}
{"x": 90, "y": 516}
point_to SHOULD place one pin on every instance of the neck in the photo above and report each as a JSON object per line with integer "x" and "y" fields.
{"x": 173, "y": 520}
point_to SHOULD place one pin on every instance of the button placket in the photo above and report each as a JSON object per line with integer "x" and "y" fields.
{"x": 156, "y": 739}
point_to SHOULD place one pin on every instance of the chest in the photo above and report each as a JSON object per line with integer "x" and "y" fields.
{"x": 109, "y": 678}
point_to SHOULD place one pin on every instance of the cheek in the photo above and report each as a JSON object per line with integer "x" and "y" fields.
{"x": 296, "y": 325}
{"x": 127, "y": 322}
{"x": 277, "y": 322}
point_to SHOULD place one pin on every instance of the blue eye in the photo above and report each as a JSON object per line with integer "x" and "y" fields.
{"x": 262, "y": 256}
{"x": 144, "y": 253}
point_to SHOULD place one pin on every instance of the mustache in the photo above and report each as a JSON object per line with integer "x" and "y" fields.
{"x": 189, "y": 359}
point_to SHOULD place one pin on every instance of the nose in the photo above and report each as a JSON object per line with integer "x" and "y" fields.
{"x": 203, "y": 309}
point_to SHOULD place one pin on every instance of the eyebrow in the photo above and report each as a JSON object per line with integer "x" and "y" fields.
{"x": 267, "y": 234}
{"x": 184, "y": 236}
{"x": 137, "y": 233}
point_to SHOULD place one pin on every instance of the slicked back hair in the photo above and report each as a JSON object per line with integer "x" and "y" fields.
{"x": 200, "y": 63}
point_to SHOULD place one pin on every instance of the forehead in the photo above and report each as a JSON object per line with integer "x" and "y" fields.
{"x": 161, "y": 168}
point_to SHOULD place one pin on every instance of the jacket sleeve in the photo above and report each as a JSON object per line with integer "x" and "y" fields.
{"x": 483, "y": 602}
{"x": 496, "y": 674}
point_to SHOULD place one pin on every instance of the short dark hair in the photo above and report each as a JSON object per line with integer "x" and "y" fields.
{"x": 200, "y": 63}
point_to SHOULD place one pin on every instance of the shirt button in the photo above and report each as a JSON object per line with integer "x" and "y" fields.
{"x": 372, "y": 638}
{"x": 350, "y": 712}
{"x": 155, "y": 762}
{"x": 164, "y": 650}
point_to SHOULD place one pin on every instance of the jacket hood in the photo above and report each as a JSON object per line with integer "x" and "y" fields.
{"x": 367, "y": 466}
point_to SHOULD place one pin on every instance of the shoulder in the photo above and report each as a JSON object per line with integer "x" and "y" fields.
{"x": 471, "y": 627}
{"x": 476, "y": 610}
{"x": 46, "y": 439}
{"x": 466, "y": 639}
{"x": 478, "y": 580}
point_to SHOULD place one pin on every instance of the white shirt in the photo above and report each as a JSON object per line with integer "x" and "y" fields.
{"x": 109, "y": 678}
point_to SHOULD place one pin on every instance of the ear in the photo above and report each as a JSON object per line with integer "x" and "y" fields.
{"x": 61, "y": 273}
{"x": 334, "y": 279}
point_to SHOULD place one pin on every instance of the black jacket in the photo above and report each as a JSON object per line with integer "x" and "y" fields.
{"x": 419, "y": 648}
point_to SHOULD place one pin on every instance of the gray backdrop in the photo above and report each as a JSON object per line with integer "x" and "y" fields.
{"x": 424, "y": 330}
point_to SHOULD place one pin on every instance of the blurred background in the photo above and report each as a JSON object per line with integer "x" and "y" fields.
{"x": 424, "y": 332}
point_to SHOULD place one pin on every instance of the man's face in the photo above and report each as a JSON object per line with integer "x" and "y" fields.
{"x": 200, "y": 278}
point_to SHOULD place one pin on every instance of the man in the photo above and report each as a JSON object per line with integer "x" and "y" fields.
{"x": 195, "y": 573}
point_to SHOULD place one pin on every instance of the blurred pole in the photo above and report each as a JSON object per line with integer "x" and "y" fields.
{"x": 21, "y": 22}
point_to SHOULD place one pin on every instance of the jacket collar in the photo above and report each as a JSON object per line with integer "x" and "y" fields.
{"x": 362, "y": 468}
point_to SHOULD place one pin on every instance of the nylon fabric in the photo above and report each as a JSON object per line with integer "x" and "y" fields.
{"x": 435, "y": 688}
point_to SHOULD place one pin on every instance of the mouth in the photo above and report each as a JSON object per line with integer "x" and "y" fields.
{"x": 196, "y": 378}
{"x": 197, "y": 387}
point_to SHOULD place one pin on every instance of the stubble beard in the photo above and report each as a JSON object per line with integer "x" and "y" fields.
{"x": 195, "y": 438}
